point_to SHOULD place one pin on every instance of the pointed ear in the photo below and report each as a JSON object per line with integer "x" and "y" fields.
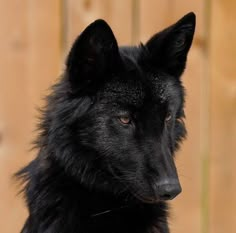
{"x": 168, "y": 49}
{"x": 93, "y": 55}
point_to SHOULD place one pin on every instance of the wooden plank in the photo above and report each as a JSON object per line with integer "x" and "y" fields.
{"x": 117, "y": 13}
{"x": 14, "y": 114}
{"x": 223, "y": 117}
{"x": 154, "y": 16}
{"x": 30, "y": 49}
{"x": 45, "y": 50}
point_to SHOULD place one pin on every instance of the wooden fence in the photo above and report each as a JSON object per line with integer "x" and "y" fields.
{"x": 36, "y": 35}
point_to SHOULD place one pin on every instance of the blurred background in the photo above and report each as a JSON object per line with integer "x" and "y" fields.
{"x": 34, "y": 39}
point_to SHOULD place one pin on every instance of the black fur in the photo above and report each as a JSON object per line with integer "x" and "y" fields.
{"x": 108, "y": 135}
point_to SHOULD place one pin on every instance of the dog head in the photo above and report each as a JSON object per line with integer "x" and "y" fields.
{"x": 117, "y": 115}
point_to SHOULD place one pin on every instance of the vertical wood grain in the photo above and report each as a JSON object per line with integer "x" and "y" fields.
{"x": 14, "y": 114}
{"x": 30, "y": 58}
{"x": 223, "y": 117}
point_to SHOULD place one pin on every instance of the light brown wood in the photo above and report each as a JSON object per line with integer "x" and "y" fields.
{"x": 223, "y": 117}
{"x": 154, "y": 16}
{"x": 30, "y": 59}
{"x": 14, "y": 114}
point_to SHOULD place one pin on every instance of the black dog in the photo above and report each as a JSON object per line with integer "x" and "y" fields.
{"x": 108, "y": 136}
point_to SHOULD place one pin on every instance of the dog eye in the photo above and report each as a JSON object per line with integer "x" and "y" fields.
{"x": 125, "y": 120}
{"x": 168, "y": 117}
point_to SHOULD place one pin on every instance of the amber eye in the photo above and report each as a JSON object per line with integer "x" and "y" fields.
{"x": 125, "y": 120}
{"x": 168, "y": 117}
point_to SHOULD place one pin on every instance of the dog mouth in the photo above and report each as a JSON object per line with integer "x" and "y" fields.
{"x": 146, "y": 199}
{"x": 154, "y": 197}
{"x": 151, "y": 200}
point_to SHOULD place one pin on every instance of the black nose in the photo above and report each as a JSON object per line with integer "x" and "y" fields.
{"x": 168, "y": 191}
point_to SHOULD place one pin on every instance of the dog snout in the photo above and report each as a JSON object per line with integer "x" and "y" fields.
{"x": 168, "y": 189}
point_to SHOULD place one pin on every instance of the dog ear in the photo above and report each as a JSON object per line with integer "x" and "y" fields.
{"x": 168, "y": 49}
{"x": 93, "y": 55}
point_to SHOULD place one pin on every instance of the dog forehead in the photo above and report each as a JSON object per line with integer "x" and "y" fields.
{"x": 165, "y": 88}
{"x": 159, "y": 86}
{"x": 124, "y": 91}
{"x": 135, "y": 88}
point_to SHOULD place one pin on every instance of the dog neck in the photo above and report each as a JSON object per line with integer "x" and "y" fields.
{"x": 59, "y": 199}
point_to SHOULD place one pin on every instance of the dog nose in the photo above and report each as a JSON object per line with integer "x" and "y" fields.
{"x": 169, "y": 191}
